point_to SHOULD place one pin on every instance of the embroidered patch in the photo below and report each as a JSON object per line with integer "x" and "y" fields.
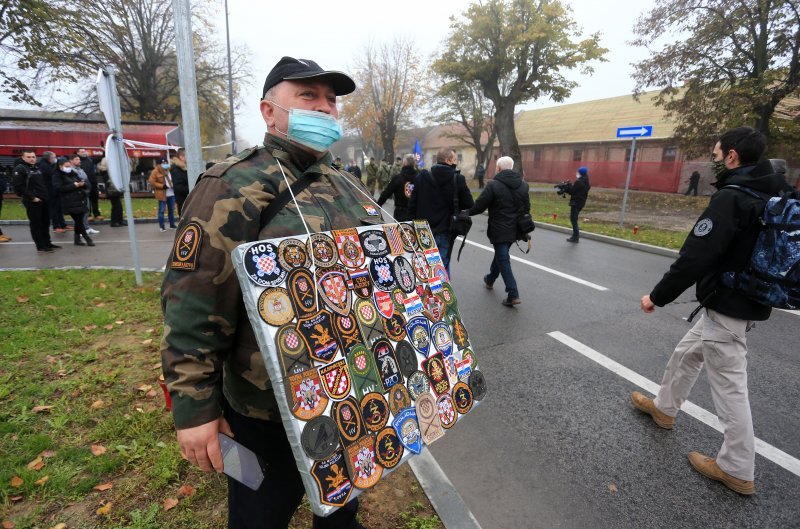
{"x": 300, "y": 285}
{"x": 430, "y": 426}
{"x": 382, "y": 274}
{"x": 333, "y": 481}
{"x": 361, "y": 461}
{"x": 460, "y": 336}
{"x": 362, "y": 284}
{"x": 392, "y": 232}
{"x": 399, "y": 398}
{"x": 347, "y": 415}
{"x": 318, "y": 335}
{"x": 383, "y": 302}
{"x": 386, "y": 362}
{"x": 294, "y": 353}
{"x": 418, "y": 384}
{"x": 261, "y": 264}
{"x": 407, "y": 428}
{"x": 406, "y": 358}
{"x": 442, "y": 339}
{"x": 363, "y": 372}
{"x": 388, "y": 448}
{"x": 421, "y": 267}
{"x": 336, "y": 379}
{"x": 477, "y": 384}
{"x": 368, "y": 320}
{"x": 275, "y": 307}
{"x": 374, "y": 411}
{"x": 703, "y": 227}
{"x": 418, "y": 330}
{"x": 395, "y": 327}
{"x": 308, "y": 398}
{"x": 462, "y": 398}
{"x": 437, "y": 373}
{"x": 292, "y": 253}
{"x": 351, "y": 254}
{"x": 322, "y": 249}
{"x": 371, "y": 210}
{"x": 408, "y": 237}
{"x": 404, "y": 274}
{"x": 333, "y": 290}
{"x": 187, "y": 248}
{"x": 424, "y": 235}
{"x": 447, "y": 411}
{"x": 319, "y": 438}
{"x": 374, "y": 243}
{"x": 348, "y": 332}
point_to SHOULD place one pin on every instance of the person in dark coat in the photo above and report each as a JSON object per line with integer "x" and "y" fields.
{"x": 30, "y": 185}
{"x": 480, "y": 172}
{"x": 180, "y": 179}
{"x": 47, "y": 165}
{"x": 578, "y": 191}
{"x": 88, "y": 166}
{"x": 721, "y": 241}
{"x": 507, "y": 198}
{"x": 694, "y": 180}
{"x": 3, "y": 185}
{"x": 72, "y": 190}
{"x": 432, "y": 199}
{"x": 401, "y": 186}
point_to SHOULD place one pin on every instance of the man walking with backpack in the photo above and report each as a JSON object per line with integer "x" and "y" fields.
{"x": 721, "y": 242}
{"x": 506, "y": 197}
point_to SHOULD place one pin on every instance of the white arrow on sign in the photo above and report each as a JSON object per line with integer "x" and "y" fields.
{"x": 632, "y": 132}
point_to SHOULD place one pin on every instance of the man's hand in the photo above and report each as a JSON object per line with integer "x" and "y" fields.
{"x": 200, "y": 446}
{"x": 647, "y": 305}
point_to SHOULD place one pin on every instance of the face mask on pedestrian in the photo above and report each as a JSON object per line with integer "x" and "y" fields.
{"x": 316, "y": 130}
{"x": 67, "y": 169}
{"x": 718, "y": 168}
{"x": 165, "y": 166}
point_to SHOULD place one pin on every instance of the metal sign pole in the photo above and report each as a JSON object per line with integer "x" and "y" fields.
{"x": 230, "y": 82}
{"x": 628, "y": 181}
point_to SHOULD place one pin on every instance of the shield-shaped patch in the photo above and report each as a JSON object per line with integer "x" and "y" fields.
{"x": 307, "y": 396}
{"x": 441, "y": 338}
{"x": 424, "y": 235}
{"x": 407, "y": 428}
{"x": 419, "y": 334}
{"x": 362, "y": 284}
{"x": 351, "y": 254}
{"x": 447, "y": 412}
{"x": 430, "y": 426}
{"x": 362, "y": 463}
{"x": 384, "y": 303}
{"x": 363, "y": 372}
{"x": 336, "y": 379}
{"x": 333, "y": 481}
{"x": 437, "y": 373}
{"x": 318, "y": 335}
{"x": 333, "y": 291}
{"x": 348, "y": 331}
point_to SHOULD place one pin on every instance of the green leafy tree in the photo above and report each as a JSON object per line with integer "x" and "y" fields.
{"x": 33, "y": 51}
{"x": 464, "y": 103}
{"x": 737, "y": 63}
{"x": 517, "y": 50}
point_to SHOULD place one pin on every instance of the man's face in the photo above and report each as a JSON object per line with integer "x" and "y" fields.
{"x": 731, "y": 158}
{"x": 182, "y": 156}
{"x": 29, "y": 158}
{"x": 75, "y": 161}
{"x": 311, "y": 94}
{"x": 82, "y": 153}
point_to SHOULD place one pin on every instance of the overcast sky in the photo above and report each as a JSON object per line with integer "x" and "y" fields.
{"x": 334, "y": 33}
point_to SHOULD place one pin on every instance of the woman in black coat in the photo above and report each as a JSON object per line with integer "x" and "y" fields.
{"x": 72, "y": 192}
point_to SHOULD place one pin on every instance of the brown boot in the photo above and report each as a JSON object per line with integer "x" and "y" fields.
{"x": 646, "y": 405}
{"x": 708, "y": 467}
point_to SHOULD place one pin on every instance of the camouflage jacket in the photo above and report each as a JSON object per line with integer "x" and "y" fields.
{"x": 372, "y": 171}
{"x": 209, "y": 349}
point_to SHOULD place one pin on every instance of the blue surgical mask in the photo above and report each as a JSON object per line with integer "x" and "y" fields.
{"x": 67, "y": 169}
{"x": 165, "y": 166}
{"x": 316, "y": 130}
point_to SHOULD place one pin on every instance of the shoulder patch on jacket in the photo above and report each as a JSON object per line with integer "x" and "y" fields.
{"x": 703, "y": 227}
{"x": 220, "y": 168}
{"x": 187, "y": 248}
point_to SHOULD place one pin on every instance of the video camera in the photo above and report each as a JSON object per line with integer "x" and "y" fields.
{"x": 562, "y": 188}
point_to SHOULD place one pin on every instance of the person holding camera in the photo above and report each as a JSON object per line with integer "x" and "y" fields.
{"x": 507, "y": 199}
{"x": 578, "y": 192}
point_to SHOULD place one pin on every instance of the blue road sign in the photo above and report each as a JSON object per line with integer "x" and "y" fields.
{"x": 641, "y": 131}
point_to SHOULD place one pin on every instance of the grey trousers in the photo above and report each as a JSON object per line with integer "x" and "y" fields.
{"x": 719, "y": 342}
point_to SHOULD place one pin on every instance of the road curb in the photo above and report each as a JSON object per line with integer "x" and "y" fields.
{"x": 106, "y": 221}
{"x": 642, "y": 247}
{"x": 444, "y": 497}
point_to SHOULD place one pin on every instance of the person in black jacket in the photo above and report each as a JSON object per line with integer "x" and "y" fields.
{"x": 47, "y": 166}
{"x": 432, "y": 199}
{"x": 180, "y": 179}
{"x": 73, "y": 192}
{"x": 722, "y": 240}
{"x": 3, "y": 185}
{"x": 694, "y": 181}
{"x": 30, "y": 185}
{"x": 579, "y": 192}
{"x": 506, "y": 197}
{"x": 88, "y": 166}
{"x": 401, "y": 186}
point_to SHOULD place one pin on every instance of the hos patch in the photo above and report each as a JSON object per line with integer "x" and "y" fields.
{"x": 336, "y": 379}
{"x": 462, "y": 398}
{"x": 363, "y": 372}
{"x": 407, "y": 428}
{"x": 347, "y": 416}
{"x": 362, "y": 463}
{"x": 430, "y": 425}
{"x": 333, "y": 481}
{"x": 300, "y": 285}
{"x": 318, "y": 334}
{"x": 187, "y": 248}
{"x": 261, "y": 264}
{"x": 320, "y": 438}
{"x": 374, "y": 411}
{"x": 388, "y": 448}
{"x": 382, "y": 274}
{"x": 292, "y": 253}
{"x": 308, "y": 398}
{"x": 293, "y": 351}
{"x": 275, "y": 307}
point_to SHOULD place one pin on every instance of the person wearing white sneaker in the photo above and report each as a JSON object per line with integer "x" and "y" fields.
{"x": 92, "y": 231}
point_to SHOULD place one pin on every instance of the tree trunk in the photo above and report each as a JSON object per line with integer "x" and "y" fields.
{"x": 507, "y": 134}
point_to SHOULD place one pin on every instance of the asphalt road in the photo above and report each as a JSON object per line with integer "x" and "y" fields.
{"x": 556, "y": 442}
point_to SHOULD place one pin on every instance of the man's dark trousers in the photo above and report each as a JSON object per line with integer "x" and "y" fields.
{"x": 574, "y": 212}
{"x": 274, "y": 503}
{"x": 501, "y": 266}
{"x": 39, "y": 223}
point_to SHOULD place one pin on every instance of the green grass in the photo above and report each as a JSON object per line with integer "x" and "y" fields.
{"x": 142, "y": 208}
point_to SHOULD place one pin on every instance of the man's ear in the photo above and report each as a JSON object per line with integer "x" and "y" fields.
{"x": 267, "y": 112}
{"x": 734, "y": 157}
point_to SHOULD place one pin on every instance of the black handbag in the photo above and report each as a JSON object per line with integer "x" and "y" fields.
{"x": 524, "y": 222}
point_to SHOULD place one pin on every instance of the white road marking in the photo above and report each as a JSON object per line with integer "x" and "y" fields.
{"x": 544, "y": 268}
{"x": 766, "y": 450}
{"x": 795, "y": 312}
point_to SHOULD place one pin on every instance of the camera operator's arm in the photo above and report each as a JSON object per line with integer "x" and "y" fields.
{"x": 485, "y": 198}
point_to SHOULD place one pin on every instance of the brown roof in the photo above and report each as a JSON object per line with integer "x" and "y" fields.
{"x": 592, "y": 121}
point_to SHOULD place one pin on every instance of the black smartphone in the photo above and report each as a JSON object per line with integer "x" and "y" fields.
{"x": 241, "y": 463}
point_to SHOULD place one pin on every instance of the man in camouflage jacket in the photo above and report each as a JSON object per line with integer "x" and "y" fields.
{"x": 211, "y": 361}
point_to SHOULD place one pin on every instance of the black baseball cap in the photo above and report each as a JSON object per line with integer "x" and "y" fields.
{"x": 291, "y": 68}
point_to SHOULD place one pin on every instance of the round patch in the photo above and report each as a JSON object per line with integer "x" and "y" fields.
{"x": 388, "y": 448}
{"x": 366, "y": 312}
{"x": 395, "y": 327}
{"x": 447, "y": 411}
{"x": 322, "y": 249}
{"x": 406, "y": 358}
{"x": 448, "y": 296}
{"x": 374, "y": 411}
{"x": 418, "y": 384}
{"x": 288, "y": 341}
{"x": 292, "y": 253}
{"x": 275, "y": 307}
{"x": 399, "y": 398}
{"x": 467, "y": 354}
{"x": 404, "y": 275}
{"x": 408, "y": 238}
{"x": 382, "y": 274}
{"x": 347, "y": 416}
{"x": 374, "y": 243}
{"x": 261, "y": 264}
{"x": 319, "y": 438}
{"x": 477, "y": 384}
{"x": 462, "y": 398}
{"x": 703, "y": 227}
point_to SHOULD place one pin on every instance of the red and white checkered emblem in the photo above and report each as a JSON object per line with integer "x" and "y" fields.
{"x": 361, "y": 362}
{"x": 266, "y": 264}
{"x": 384, "y": 273}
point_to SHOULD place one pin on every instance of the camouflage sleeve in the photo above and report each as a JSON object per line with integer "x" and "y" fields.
{"x": 202, "y": 302}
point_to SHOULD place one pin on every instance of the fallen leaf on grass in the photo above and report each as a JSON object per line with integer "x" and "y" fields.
{"x": 22, "y": 299}
{"x": 612, "y": 488}
{"x": 61, "y": 525}
{"x": 15, "y": 499}
{"x": 147, "y": 342}
{"x": 156, "y": 366}
{"x": 45, "y": 294}
{"x": 51, "y": 307}
{"x": 36, "y": 464}
{"x": 16, "y": 482}
{"x": 108, "y": 327}
{"x": 119, "y": 322}
{"x": 98, "y": 450}
{"x": 8, "y": 524}
{"x": 150, "y": 394}
{"x": 42, "y": 481}
{"x": 101, "y": 285}
{"x": 103, "y": 486}
{"x": 149, "y": 331}
{"x": 144, "y": 388}
{"x": 186, "y": 491}
{"x": 105, "y": 510}
{"x": 47, "y": 453}
{"x": 40, "y": 409}
{"x": 96, "y": 405}
{"x": 100, "y": 305}
{"x": 89, "y": 327}
{"x": 170, "y": 503}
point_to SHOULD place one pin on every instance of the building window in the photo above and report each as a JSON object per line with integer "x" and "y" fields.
{"x": 577, "y": 155}
{"x": 669, "y": 154}
{"x": 628, "y": 155}
{"x": 537, "y": 155}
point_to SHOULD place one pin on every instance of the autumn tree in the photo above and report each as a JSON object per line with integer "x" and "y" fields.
{"x": 736, "y": 64}
{"x": 464, "y": 103}
{"x": 391, "y": 80}
{"x": 517, "y": 50}
{"x": 33, "y": 50}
